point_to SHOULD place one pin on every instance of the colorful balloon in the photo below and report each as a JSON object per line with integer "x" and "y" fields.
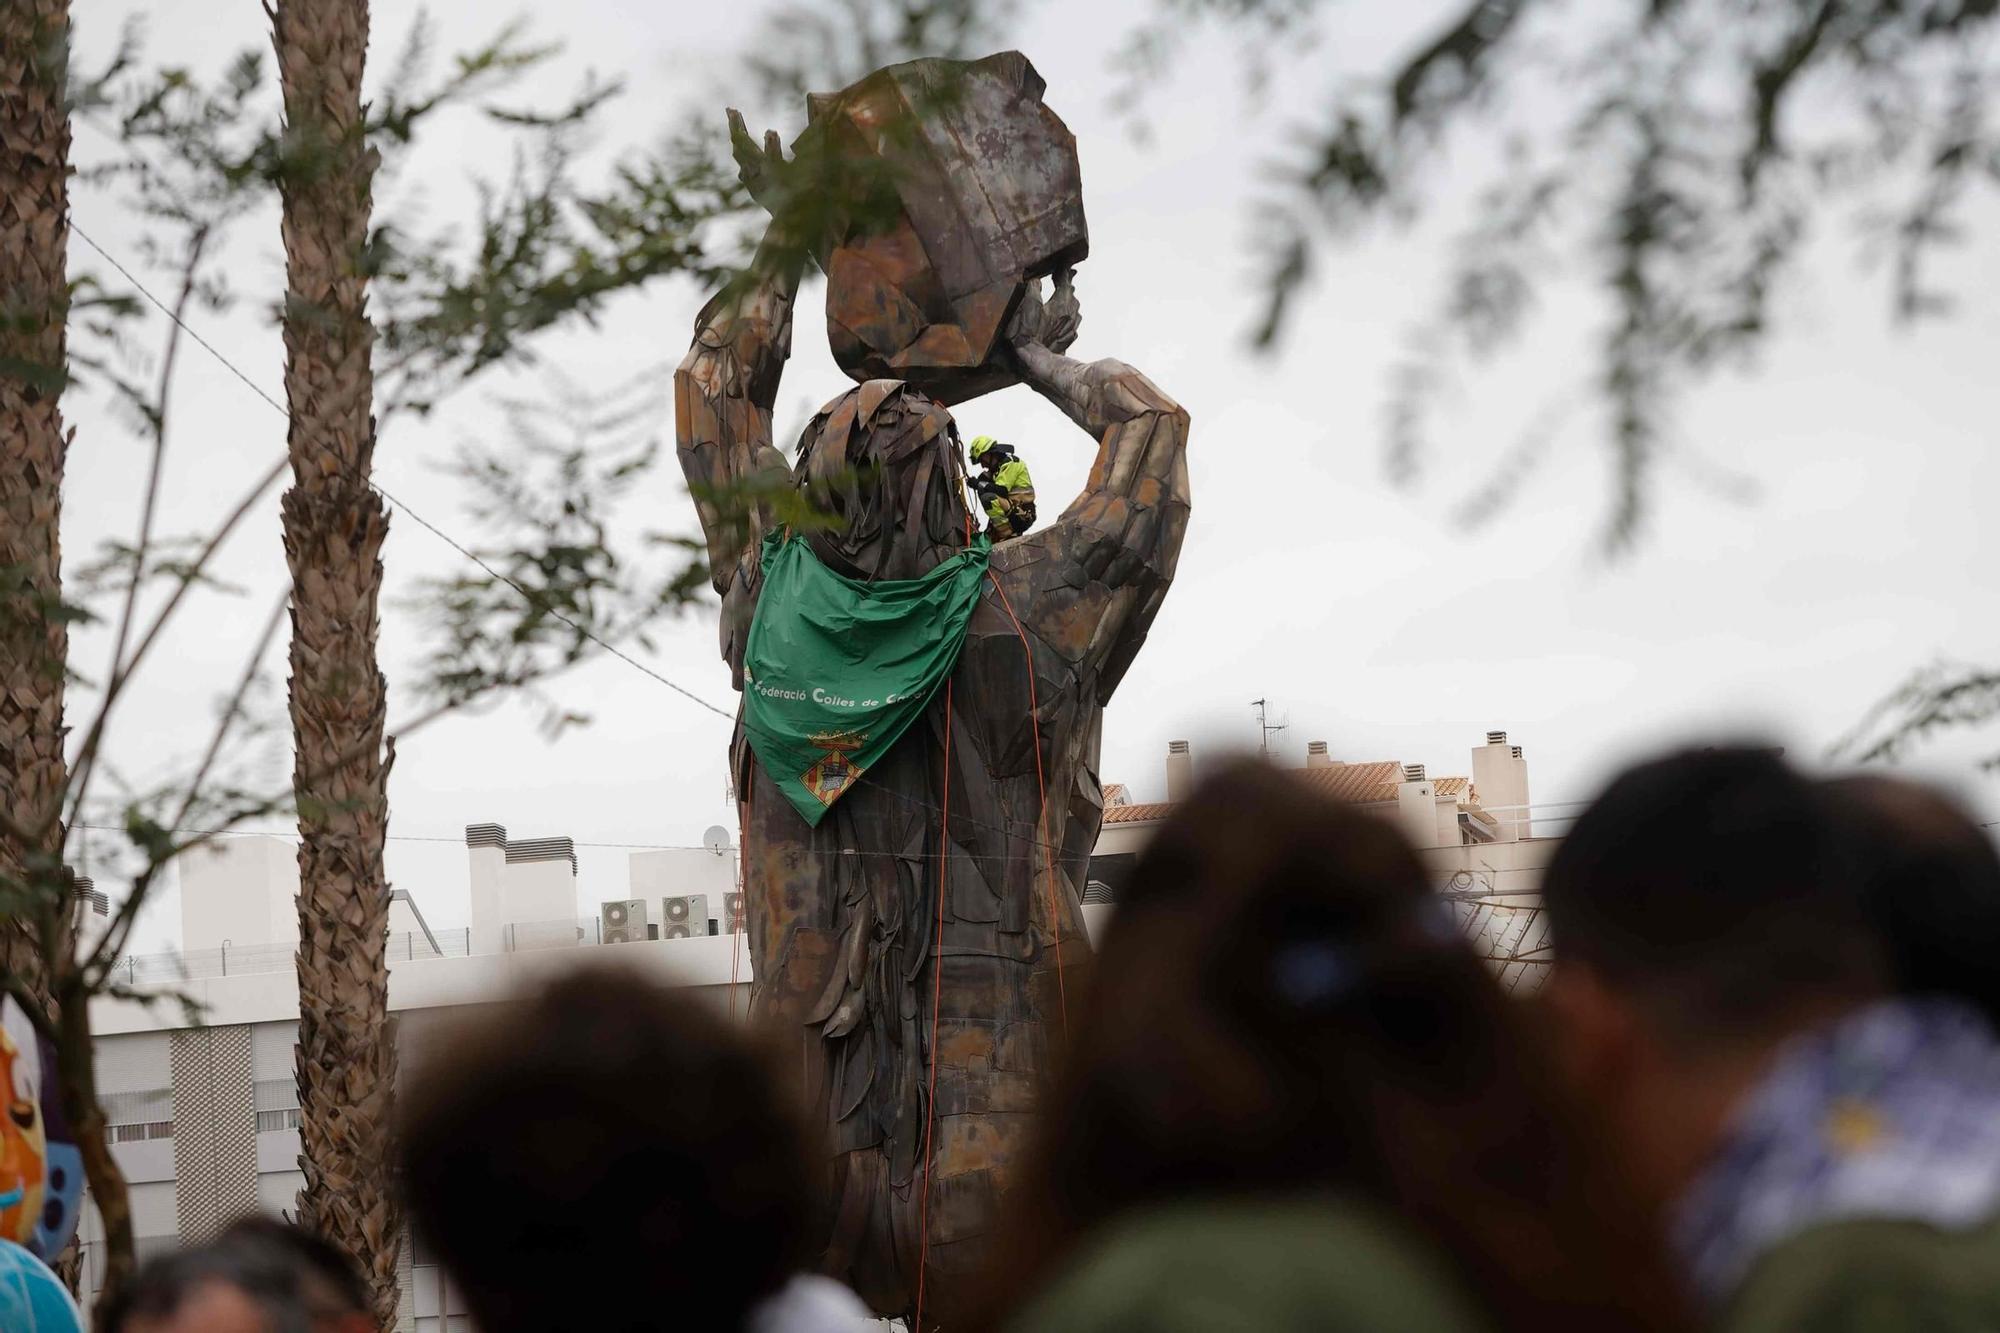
{"x": 62, "y": 1194}
{"x": 33, "y": 1299}
{"x": 23, "y": 1142}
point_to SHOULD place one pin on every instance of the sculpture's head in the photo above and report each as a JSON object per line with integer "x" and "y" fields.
{"x": 956, "y": 187}
{"x": 886, "y": 464}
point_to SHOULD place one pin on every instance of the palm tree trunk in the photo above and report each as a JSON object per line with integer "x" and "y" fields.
{"x": 34, "y": 305}
{"x": 334, "y": 523}
{"x": 34, "y": 633}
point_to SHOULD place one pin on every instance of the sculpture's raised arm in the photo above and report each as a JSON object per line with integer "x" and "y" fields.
{"x": 724, "y": 392}
{"x": 1125, "y": 528}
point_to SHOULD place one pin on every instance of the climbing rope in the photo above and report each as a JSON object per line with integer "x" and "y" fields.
{"x": 1042, "y": 817}
{"x": 937, "y": 1004}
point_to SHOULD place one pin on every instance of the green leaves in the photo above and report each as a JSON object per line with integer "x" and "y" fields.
{"x": 1941, "y": 697}
{"x": 1665, "y": 160}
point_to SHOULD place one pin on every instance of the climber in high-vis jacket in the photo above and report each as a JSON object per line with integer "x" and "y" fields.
{"x": 1005, "y": 491}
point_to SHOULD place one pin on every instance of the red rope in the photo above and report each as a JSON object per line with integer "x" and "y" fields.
{"x": 937, "y": 1003}
{"x": 1042, "y": 816}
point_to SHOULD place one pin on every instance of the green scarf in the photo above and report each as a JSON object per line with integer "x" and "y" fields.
{"x": 837, "y": 669}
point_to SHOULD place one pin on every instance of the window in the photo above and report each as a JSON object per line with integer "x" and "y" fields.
{"x": 1107, "y": 877}
{"x": 272, "y": 1122}
{"x": 152, "y": 1129}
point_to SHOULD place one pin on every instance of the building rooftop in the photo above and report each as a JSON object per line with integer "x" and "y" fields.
{"x": 1361, "y": 784}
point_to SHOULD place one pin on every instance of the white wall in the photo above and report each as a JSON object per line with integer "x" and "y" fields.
{"x": 242, "y": 890}
{"x": 672, "y": 872}
{"x": 1116, "y": 839}
{"x": 539, "y": 892}
{"x": 708, "y": 964}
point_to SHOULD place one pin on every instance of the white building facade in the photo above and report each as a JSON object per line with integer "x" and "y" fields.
{"x": 1483, "y": 841}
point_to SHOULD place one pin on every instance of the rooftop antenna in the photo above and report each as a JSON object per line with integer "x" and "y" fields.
{"x": 1265, "y": 728}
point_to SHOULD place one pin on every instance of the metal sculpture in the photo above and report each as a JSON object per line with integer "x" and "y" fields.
{"x": 920, "y": 939}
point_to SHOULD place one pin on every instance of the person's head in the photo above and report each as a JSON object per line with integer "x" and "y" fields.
{"x": 1701, "y": 911}
{"x": 608, "y": 1115}
{"x": 260, "y": 1276}
{"x": 1930, "y": 882}
{"x": 987, "y": 453}
{"x": 1281, "y": 1004}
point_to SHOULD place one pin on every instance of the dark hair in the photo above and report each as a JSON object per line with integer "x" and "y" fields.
{"x": 609, "y": 1154}
{"x": 294, "y": 1277}
{"x": 1712, "y": 884}
{"x": 1930, "y": 880}
{"x": 1280, "y": 1005}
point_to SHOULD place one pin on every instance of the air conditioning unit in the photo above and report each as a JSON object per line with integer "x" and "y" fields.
{"x": 684, "y": 917}
{"x": 732, "y": 914}
{"x": 624, "y": 921}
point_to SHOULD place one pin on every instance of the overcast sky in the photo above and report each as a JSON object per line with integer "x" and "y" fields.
{"x": 1363, "y": 612}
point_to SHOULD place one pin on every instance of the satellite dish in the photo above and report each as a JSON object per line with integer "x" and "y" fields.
{"x": 716, "y": 839}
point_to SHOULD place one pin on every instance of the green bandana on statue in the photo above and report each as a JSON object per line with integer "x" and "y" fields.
{"x": 837, "y": 669}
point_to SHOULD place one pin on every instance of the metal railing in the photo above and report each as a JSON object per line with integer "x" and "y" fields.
{"x": 229, "y": 960}
{"x": 568, "y": 932}
{"x": 1541, "y": 819}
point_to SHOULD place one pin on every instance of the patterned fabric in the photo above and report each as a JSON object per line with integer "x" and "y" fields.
{"x": 1893, "y": 1113}
{"x": 32, "y": 1299}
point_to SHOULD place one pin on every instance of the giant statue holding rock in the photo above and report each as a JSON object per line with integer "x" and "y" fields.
{"x": 916, "y": 756}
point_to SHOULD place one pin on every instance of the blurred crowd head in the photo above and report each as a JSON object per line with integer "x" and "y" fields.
{"x": 609, "y": 1114}
{"x": 259, "y": 1276}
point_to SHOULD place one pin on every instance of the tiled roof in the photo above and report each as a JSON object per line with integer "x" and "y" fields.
{"x": 1361, "y": 784}
{"x": 1354, "y": 782}
{"x": 1115, "y": 794}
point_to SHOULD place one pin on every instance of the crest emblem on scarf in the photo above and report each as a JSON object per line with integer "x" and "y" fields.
{"x": 834, "y": 771}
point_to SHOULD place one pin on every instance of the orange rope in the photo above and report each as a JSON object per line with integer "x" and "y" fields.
{"x": 937, "y": 1003}
{"x": 1042, "y": 816}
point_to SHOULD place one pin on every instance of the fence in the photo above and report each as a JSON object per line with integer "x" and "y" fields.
{"x": 568, "y": 932}
{"x": 165, "y": 969}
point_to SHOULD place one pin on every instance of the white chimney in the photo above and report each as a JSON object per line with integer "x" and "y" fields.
{"x": 239, "y": 891}
{"x": 92, "y": 912}
{"x": 1316, "y": 755}
{"x": 1416, "y": 807}
{"x": 538, "y": 898}
{"x": 486, "y": 850}
{"x": 1500, "y": 778}
{"x": 1180, "y": 771}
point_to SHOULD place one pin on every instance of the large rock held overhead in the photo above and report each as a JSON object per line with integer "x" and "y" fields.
{"x": 987, "y": 196}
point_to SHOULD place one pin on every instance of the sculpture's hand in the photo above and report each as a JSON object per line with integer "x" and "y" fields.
{"x": 761, "y": 168}
{"x": 1063, "y": 315}
{"x": 1054, "y": 323}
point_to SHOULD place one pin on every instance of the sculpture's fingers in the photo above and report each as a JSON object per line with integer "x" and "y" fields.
{"x": 774, "y": 147}
{"x": 741, "y": 146}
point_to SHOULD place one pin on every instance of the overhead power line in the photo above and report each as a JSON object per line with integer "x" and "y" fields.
{"x": 536, "y": 602}
{"x": 864, "y": 779}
